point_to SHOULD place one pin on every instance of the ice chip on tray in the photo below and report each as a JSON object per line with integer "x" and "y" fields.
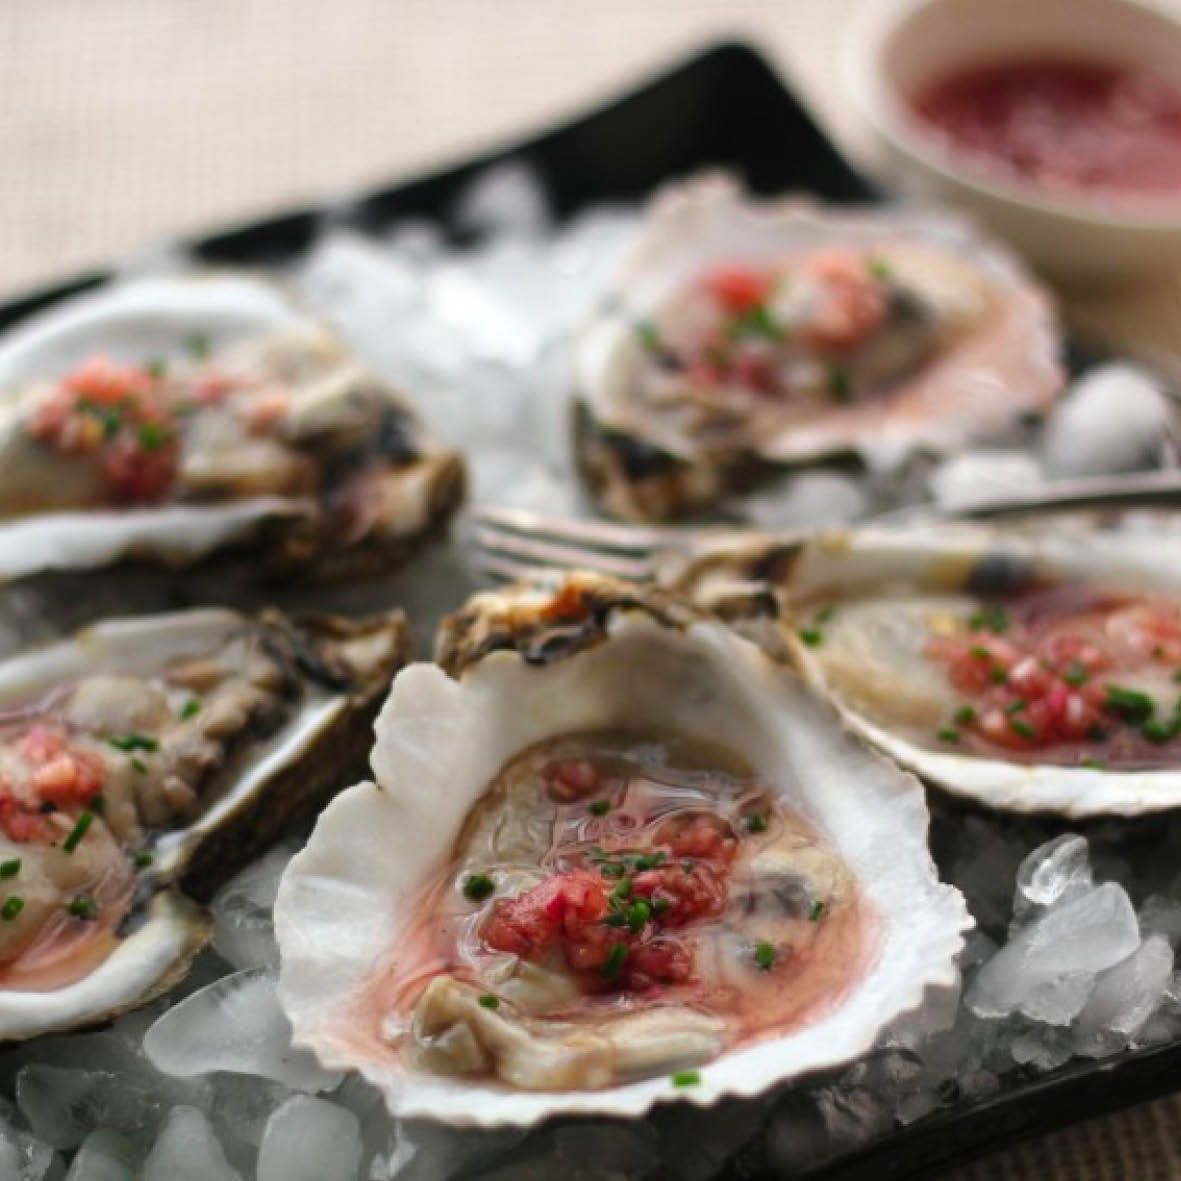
{"x": 1123, "y": 999}
{"x": 188, "y": 1150}
{"x": 244, "y": 933}
{"x": 508, "y": 198}
{"x": 23, "y": 1157}
{"x": 310, "y": 1139}
{"x": 107, "y": 1156}
{"x": 234, "y": 1025}
{"x": 1054, "y": 872}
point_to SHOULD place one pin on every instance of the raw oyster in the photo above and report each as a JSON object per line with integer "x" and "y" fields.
{"x": 141, "y": 763}
{"x": 743, "y": 335}
{"x": 1034, "y": 667}
{"x": 168, "y": 419}
{"x": 600, "y": 825}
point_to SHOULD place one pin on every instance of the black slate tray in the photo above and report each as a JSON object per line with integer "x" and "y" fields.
{"x": 725, "y": 107}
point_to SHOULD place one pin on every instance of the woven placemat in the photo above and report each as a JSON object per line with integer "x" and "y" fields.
{"x": 128, "y": 121}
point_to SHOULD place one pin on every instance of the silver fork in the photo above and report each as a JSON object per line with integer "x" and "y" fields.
{"x": 514, "y": 543}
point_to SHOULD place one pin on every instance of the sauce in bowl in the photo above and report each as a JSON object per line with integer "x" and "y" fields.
{"x": 1070, "y": 127}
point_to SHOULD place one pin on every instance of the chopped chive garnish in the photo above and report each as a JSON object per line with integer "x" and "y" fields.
{"x": 611, "y": 870}
{"x": 13, "y": 905}
{"x": 488, "y": 1001}
{"x": 754, "y": 822}
{"x": 660, "y": 905}
{"x": 152, "y": 436}
{"x": 190, "y": 709}
{"x": 992, "y": 618}
{"x": 623, "y": 889}
{"x": 998, "y": 676}
{"x": 839, "y": 384}
{"x": 1075, "y": 674}
{"x": 825, "y": 614}
{"x": 879, "y": 269}
{"x": 82, "y": 907}
{"x": 1092, "y": 764}
{"x": 756, "y": 322}
{"x": 129, "y": 742}
{"x": 764, "y": 956}
{"x": 685, "y": 1078}
{"x": 616, "y": 920}
{"x": 614, "y": 961}
{"x": 648, "y": 861}
{"x": 811, "y": 636}
{"x": 197, "y": 346}
{"x": 137, "y": 764}
{"x": 9, "y": 869}
{"x": 947, "y": 734}
{"x": 638, "y": 914}
{"x": 1177, "y": 676}
{"x": 964, "y": 715}
{"x": 141, "y": 859}
{"x": 477, "y": 887}
{"x": 1158, "y": 731}
{"x": 815, "y": 910}
{"x": 599, "y": 808}
{"x": 1129, "y": 704}
{"x": 1015, "y": 707}
{"x": 84, "y": 821}
{"x": 649, "y": 336}
{"x": 1019, "y": 726}
{"x": 98, "y": 805}
{"x": 156, "y": 367}
{"x": 980, "y": 652}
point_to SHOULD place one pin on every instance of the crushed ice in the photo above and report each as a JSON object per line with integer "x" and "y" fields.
{"x": 1074, "y": 952}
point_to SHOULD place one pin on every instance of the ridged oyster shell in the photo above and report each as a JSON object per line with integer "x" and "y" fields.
{"x": 640, "y": 451}
{"x": 280, "y": 756}
{"x": 512, "y": 671}
{"x": 413, "y": 487}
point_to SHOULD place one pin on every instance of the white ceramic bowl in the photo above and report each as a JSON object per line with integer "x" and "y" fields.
{"x": 894, "y": 47}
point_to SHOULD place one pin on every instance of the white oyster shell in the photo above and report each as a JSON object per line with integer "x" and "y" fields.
{"x": 344, "y": 900}
{"x": 977, "y": 385}
{"x": 948, "y": 559}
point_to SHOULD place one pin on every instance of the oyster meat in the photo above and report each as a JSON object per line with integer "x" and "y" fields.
{"x": 1032, "y": 667}
{"x": 614, "y": 854}
{"x": 142, "y": 762}
{"x": 167, "y": 419}
{"x": 742, "y": 334}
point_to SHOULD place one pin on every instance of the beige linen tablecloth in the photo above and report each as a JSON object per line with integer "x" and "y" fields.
{"x": 126, "y": 121}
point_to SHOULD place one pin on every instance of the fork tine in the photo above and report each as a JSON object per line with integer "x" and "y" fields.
{"x": 598, "y": 535}
{"x": 533, "y": 552}
{"x": 501, "y": 569}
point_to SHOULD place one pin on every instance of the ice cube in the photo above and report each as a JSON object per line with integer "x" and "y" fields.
{"x": 1056, "y": 871}
{"x": 188, "y": 1150}
{"x": 106, "y": 1156}
{"x": 507, "y": 198}
{"x": 244, "y": 934}
{"x": 1041, "y": 1048}
{"x": 235, "y": 1025}
{"x": 1058, "y": 1001}
{"x": 977, "y": 475}
{"x": 242, "y": 1104}
{"x": 1123, "y": 999}
{"x": 1079, "y": 936}
{"x": 1113, "y": 419}
{"x": 309, "y": 1139}
{"x": 23, "y": 1157}
{"x": 1161, "y": 916}
{"x": 810, "y": 1127}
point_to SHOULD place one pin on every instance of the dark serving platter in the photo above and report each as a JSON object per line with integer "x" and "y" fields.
{"x": 727, "y": 107}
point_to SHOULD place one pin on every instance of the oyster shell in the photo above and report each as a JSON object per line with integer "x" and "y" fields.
{"x": 1031, "y": 667}
{"x": 535, "y": 664}
{"x": 142, "y": 762}
{"x": 740, "y": 336}
{"x": 168, "y": 419}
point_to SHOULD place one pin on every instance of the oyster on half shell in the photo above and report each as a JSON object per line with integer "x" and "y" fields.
{"x": 608, "y": 842}
{"x": 1034, "y": 667}
{"x": 742, "y": 335}
{"x": 168, "y": 419}
{"x": 142, "y": 762}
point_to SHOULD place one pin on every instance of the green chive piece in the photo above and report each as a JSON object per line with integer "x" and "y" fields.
{"x": 611, "y": 870}
{"x": 756, "y": 322}
{"x": 754, "y": 822}
{"x": 477, "y": 887}
{"x": 879, "y": 269}
{"x": 648, "y": 861}
{"x": 811, "y": 636}
{"x": 129, "y": 742}
{"x": 9, "y": 869}
{"x": 1015, "y": 707}
{"x": 947, "y": 734}
{"x": 1158, "y": 731}
{"x": 81, "y": 825}
{"x": 488, "y": 1001}
{"x": 980, "y": 652}
{"x": 991, "y": 618}
{"x": 964, "y": 715}
{"x": 190, "y": 709}
{"x": 615, "y": 920}
{"x": 98, "y": 805}
{"x": 1129, "y": 704}
{"x": 13, "y": 905}
{"x": 685, "y": 1078}
{"x": 649, "y": 336}
{"x": 137, "y": 764}
{"x": 599, "y": 808}
{"x": 152, "y": 436}
{"x": 638, "y": 914}
{"x": 1075, "y": 674}
{"x": 82, "y": 907}
{"x": 1018, "y": 726}
{"x": 764, "y": 956}
{"x": 156, "y": 367}
{"x": 623, "y": 889}
{"x": 660, "y": 905}
{"x": 1177, "y": 676}
{"x": 614, "y": 961}
{"x": 998, "y": 676}
{"x": 815, "y": 910}
{"x": 825, "y": 614}
{"x": 197, "y": 346}
{"x": 1092, "y": 764}
{"x": 142, "y": 859}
